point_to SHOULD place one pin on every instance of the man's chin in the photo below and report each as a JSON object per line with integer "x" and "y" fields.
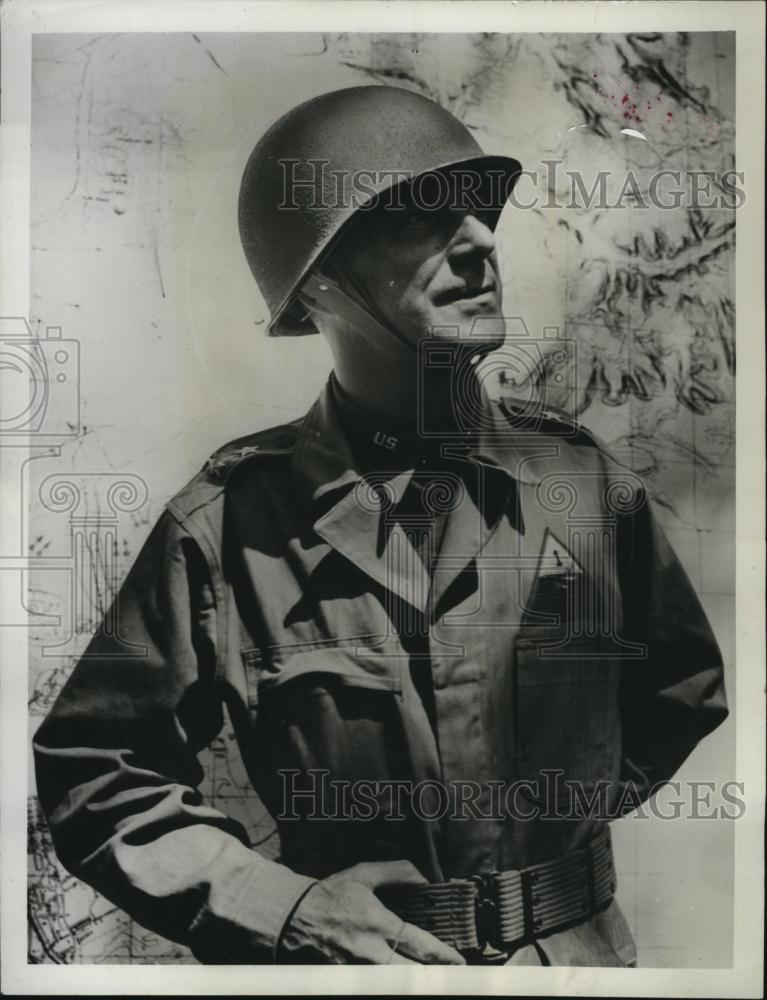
{"x": 481, "y": 327}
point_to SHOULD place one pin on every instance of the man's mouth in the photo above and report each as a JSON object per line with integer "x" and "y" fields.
{"x": 463, "y": 292}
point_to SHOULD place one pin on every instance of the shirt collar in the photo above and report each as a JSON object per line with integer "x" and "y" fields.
{"x": 326, "y": 463}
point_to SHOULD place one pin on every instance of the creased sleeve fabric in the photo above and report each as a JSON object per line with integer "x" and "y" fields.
{"x": 118, "y": 774}
{"x": 673, "y": 696}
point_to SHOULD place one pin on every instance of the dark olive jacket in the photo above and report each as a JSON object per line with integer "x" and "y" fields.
{"x": 556, "y": 634}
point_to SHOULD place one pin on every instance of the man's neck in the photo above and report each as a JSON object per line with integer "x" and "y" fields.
{"x": 436, "y": 397}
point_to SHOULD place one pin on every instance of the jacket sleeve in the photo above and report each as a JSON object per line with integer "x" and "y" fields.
{"x": 117, "y": 770}
{"x": 673, "y": 696}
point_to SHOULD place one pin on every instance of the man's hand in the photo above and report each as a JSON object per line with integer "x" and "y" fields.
{"x": 340, "y": 921}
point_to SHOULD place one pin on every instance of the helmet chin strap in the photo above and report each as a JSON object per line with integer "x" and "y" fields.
{"x": 341, "y": 295}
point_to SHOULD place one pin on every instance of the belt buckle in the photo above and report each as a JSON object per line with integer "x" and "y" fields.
{"x": 486, "y": 911}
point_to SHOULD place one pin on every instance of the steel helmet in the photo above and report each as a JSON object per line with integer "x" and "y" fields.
{"x": 294, "y": 199}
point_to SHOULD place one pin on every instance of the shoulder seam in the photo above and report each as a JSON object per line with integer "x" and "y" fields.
{"x": 211, "y": 481}
{"x": 273, "y": 442}
{"x": 200, "y": 495}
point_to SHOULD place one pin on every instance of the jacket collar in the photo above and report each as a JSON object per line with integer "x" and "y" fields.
{"x": 346, "y": 510}
{"x": 324, "y": 461}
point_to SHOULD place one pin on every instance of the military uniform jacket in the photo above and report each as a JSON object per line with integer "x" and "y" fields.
{"x": 557, "y": 637}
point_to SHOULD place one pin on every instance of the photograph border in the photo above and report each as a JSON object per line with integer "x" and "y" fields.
{"x": 21, "y": 20}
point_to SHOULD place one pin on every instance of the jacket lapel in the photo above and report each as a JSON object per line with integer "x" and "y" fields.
{"x": 349, "y": 516}
{"x": 358, "y": 528}
{"x": 347, "y": 510}
{"x": 487, "y": 491}
{"x": 503, "y": 467}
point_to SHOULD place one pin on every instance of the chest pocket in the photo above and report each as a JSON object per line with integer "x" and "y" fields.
{"x": 565, "y": 690}
{"x": 330, "y": 707}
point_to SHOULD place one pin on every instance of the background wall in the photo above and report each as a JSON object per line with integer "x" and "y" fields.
{"x": 139, "y": 142}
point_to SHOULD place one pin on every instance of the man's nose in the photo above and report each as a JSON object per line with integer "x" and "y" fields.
{"x": 472, "y": 238}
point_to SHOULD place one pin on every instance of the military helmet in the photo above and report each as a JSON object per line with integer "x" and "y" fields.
{"x": 295, "y": 196}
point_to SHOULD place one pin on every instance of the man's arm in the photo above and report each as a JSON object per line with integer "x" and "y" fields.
{"x": 674, "y": 697}
{"x": 117, "y": 770}
{"x": 117, "y": 775}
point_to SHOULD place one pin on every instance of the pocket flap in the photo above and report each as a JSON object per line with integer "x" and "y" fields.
{"x": 351, "y": 661}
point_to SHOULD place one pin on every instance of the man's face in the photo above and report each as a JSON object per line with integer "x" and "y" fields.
{"x": 426, "y": 268}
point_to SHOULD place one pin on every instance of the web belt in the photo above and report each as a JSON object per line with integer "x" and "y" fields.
{"x": 509, "y": 908}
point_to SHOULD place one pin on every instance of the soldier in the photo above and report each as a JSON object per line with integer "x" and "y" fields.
{"x": 448, "y": 630}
